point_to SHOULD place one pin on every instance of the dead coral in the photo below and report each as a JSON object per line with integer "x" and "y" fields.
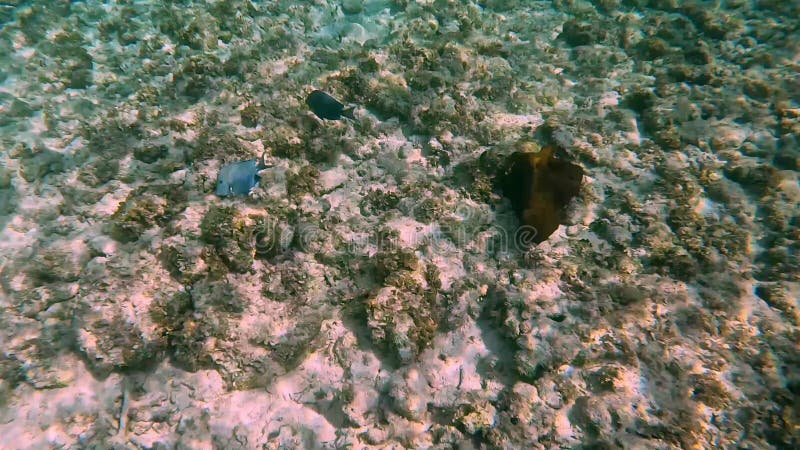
{"x": 144, "y": 208}
{"x": 401, "y": 323}
{"x": 214, "y": 142}
{"x": 36, "y": 161}
{"x": 230, "y": 236}
{"x": 577, "y": 33}
{"x": 150, "y": 153}
{"x": 101, "y": 171}
{"x": 195, "y": 322}
{"x": 115, "y": 344}
{"x": 292, "y": 348}
{"x": 707, "y": 389}
{"x": 305, "y": 181}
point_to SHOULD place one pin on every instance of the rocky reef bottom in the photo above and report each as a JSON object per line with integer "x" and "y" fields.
{"x": 372, "y": 289}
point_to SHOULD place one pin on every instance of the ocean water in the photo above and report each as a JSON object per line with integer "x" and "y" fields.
{"x": 545, "y": 224}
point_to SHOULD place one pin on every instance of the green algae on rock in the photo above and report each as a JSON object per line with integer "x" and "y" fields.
{"x": 8, "y": 195}
{"x": 99, "y": 172}
{"x": 37, "y": 161}
{"x": 150, "y": 153}
{"x": 401, "y": 322}
{"x": 305, "y": 181}
{"x": 292, "y": 348}
{"x": 619, "y": 316}
{"x": 232, "y": 238}
{"x": 144, "y": 208}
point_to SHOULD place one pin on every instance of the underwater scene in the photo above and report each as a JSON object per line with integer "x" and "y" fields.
{"x": 400, "y": 224}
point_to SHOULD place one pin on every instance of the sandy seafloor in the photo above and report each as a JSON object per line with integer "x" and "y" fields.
{"x": 364, "y": 295}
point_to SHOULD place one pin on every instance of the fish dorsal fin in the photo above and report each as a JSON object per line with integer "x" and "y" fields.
{"x": 262, "y": 161}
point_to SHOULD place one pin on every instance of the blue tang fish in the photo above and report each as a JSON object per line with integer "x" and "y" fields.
{"x": 326, "y": 107}
{"x": 239, "y": 177}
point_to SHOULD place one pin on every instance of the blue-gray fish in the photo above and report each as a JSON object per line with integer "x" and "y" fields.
{"x": 239, "y": 177}
{"x": 327, "y": 107}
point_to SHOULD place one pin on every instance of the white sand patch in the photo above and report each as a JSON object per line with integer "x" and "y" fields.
{"x": 333, "y": 178}
{"x": 505, "y": 120}
{"x": 411, "y": 232}
{"x": 343, "y": 200}
{"x": 458, "y": 371}
{"x": 414, "y": 155}
{"x": 110, "y": 202}
{"x": 189, "y": 220}
{"x": 281, "y": 408}
{"x": 563, "y": 427}
{"x": 39, "y": 417}
{"x": 450, "y": 269}
{"x": 188, "y": 117}
{"x": 102, "y": 244}
{"x": 16, "y": 237}
{"x": 43, "y": 206}
{"x": 610, "y": 98}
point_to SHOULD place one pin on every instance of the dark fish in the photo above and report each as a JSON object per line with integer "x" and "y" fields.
{"x": 327, "y": 107}
{"x": 540, "y": 186}
{"x": 239, "y": 177}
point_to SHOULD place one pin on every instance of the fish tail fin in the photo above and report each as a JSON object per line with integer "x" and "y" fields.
{"x": 262, "y": 161}
{"x": 348, "y": 112}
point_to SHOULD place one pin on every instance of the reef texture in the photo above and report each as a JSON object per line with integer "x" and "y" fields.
{"x": 368, "y": 293}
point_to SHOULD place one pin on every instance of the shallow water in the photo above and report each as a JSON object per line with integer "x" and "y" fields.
{"x": 372, "y": 290}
